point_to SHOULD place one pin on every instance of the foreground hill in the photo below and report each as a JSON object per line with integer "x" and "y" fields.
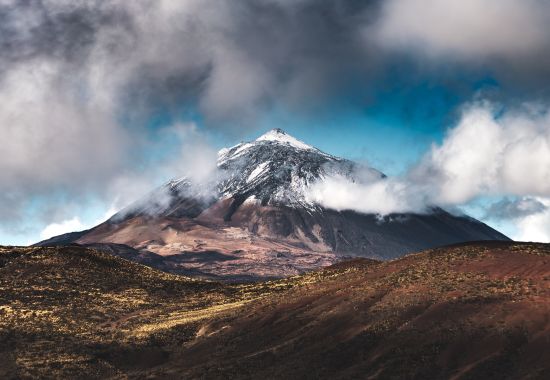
{"x": 256, "y": 219}
{"x": 470, "y": 311}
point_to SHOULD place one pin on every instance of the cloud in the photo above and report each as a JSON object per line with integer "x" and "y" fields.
{"x": 192, "y": 160}
{"x": 192, "y": 168}
{"x": 81, "y": 81}
{"x": 197, "y": 160}
{"x": 490, "y": 151}
{"x": 63, "y": 227}
{"x": 514, "y": 208}
{"x": 534, "y": 227}
{"x": 469, "y": 29}
{"x": 381, "y": 196}
{"x": 530, "y": 217}
{"x": 144, "y": 54}
{"x": 71, "y": 225}
{"x": 506, "y": 40}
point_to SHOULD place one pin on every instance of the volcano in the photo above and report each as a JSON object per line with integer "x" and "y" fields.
{"x": 256, "y": 221}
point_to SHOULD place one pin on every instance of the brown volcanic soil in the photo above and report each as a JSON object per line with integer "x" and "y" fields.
{"x": 239, "y": 239}
{"x": 212, "y": 250}
{"x": 470, "y": 311}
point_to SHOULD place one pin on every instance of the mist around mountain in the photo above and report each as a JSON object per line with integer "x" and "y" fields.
{"x": 255, "y": 218}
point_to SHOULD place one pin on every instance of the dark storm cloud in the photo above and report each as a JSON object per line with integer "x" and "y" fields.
{"x": 235, "y": 59}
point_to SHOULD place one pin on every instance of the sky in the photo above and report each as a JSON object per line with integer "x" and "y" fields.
{"x": 101, "y": 101}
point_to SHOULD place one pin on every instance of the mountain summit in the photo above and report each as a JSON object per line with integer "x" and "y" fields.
{"x": 256, "y": 220}
{"x": 277, "y": 135}
{"x": 277, "y": 169}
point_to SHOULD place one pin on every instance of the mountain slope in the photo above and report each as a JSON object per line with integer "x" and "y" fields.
{"x": 474, "y": 311}
{"x": 477, "y": 311}
{"x": 256, "y": 220}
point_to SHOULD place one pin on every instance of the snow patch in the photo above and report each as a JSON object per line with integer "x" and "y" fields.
{"x": 279, "y": 136}
{"x": 240, "y": 149}
{"x": 223, "y": 151}
{"x": 226, "y": 154}
{"x": 257, "y": 171}
{"x": 252, "y": 200}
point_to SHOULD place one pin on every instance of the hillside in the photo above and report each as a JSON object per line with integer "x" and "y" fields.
{"x": 468, "y": 311}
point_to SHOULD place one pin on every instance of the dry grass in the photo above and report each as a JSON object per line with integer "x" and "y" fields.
{"x": 74, "y": 312}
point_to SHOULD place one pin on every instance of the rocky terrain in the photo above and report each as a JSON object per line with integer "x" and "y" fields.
{"x": 255, "y": 221}
{"x": 473, "y": 311}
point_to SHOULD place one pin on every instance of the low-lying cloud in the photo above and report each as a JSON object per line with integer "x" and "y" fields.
{"x": 381, "y": 196}
{"x": 534, "y": 226}
{"x": 490, "y": 151}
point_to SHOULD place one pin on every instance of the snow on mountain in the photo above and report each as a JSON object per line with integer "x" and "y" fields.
{"x": 257, "y": 171}
{"x": 277, "y": 169}
{"x": 279, "y": 136}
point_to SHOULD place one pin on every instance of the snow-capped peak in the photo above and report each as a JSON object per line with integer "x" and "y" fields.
{"x": 279, "y": 136}
{"x": 276, "y": 168}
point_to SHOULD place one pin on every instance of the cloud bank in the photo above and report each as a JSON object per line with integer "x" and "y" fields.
{"x": 490, "y": 151}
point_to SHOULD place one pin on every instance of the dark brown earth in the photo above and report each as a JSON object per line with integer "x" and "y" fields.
{"x": 266, "y": 242}
{"x": 476, "y": 311}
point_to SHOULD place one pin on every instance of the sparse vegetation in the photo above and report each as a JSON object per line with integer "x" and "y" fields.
{"x": 471, "y": 311}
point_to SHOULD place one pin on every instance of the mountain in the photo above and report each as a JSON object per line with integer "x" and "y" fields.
{"x": 255, "y": 220}
{"x": 473, "y": 311}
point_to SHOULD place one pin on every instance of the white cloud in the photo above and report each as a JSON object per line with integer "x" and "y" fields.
{"x": 194, "y": 158}
{"x": 535, "y": 227}
{"x": 63, "y": 227}
{"x": 197, "y": 159}
{"x": 489, "y": 152}
{"x": 51, "y": 136}
{"x": 470, "y": 29}
{"x": 72, "y": 225}
{"x": 377, "y": 196}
